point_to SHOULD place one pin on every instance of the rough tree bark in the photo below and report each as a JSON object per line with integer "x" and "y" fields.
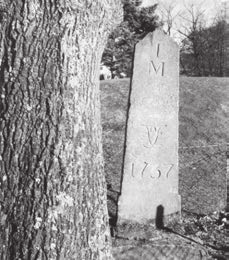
{"x": 52, "y": 185}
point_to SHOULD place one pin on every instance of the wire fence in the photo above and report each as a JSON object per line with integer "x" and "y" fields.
{"x": 204, "y": 172}
{"x": 194, "y": 154}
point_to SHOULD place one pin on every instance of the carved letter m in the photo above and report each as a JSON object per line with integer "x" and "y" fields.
{"x": 156, "y": 69}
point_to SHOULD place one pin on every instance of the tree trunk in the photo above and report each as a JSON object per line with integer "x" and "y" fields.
{"x": 52, "y": 185}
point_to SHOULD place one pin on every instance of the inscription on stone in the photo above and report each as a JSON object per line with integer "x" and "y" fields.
{"x": 153, "y": 172}
{"x": 160, "y": 67}
{"x": 151, "y": 160}
{"x": 156, "y": 69}
{"x": 152, "y": 134}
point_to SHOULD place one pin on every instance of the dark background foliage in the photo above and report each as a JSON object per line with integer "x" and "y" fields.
{"x": 137, "y": 22}
{"x": 203, "y": 51}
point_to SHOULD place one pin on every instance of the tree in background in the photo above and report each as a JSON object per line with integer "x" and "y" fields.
{"x": 202, "y": 51}
{"x": 168, "y": 15}
{"x": 193, "y": 24}
{"x": 137, "y": 22}
{"x": 203, "y": 47}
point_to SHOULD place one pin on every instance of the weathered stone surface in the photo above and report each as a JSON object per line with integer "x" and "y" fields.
{"x": 151, "y": 160}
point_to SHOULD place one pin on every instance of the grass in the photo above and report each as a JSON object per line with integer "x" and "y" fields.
{"x": 203, "y": 135}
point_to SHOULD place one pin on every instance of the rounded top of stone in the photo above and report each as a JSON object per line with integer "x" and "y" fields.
{"x": 157, "y": 33}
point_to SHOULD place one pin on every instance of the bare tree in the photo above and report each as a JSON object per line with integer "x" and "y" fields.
{"x": 169, "y": 14}
{"x": 52, "y": 185}
{"x": 193, "y": 22}
{"x": 204, "y": 49}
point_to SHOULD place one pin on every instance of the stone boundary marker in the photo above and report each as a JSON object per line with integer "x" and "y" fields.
{"x": 150, "y": 178}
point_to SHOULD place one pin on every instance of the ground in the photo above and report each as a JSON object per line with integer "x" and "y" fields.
{"x": 204, "y": 111}
{"x": 191, "y": 237}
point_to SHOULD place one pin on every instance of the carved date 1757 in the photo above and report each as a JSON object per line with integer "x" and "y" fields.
{"x": 153, "y": 172}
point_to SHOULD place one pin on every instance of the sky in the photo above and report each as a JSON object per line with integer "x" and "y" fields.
{"x": 210, "y": 8}
{"x": 209, "y": 4}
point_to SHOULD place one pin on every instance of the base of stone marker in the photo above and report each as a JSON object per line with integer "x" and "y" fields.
{"x": 143, "y": 212}
{"x": 134, "y": 230}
